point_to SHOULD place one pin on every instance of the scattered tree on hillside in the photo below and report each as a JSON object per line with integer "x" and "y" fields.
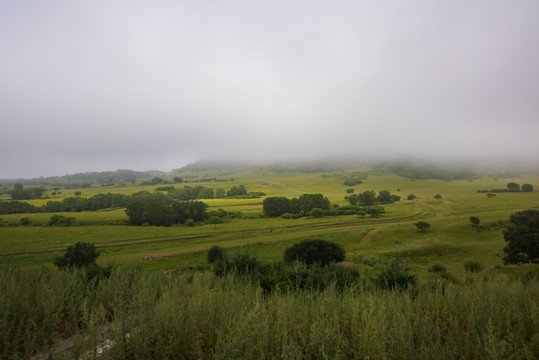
{"x": 366, "y": 198}
{"x": 237, "y": 191}
{"x": 80, "y": 255}
{"x": 474, "y": 220}
{"x": 527, "y": 188}
{"x": 384, "y": 197}
{"x": 315, "y": 251}
{"x": 215, "y": 220}
{"x": 220, "y": 193}
{"x": 437, "y": 196}
{"x": 512, "y": 186}
{"x": 411, "y": 197}
{"x": 522, "y": 238}
{"x": 422, "y": 226}
{"x": 61, "y": 220}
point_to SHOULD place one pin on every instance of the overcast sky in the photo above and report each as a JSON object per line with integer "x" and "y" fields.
{"x": 102, "y": 85}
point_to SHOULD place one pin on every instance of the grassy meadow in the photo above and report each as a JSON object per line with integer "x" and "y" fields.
{"x": 451, "y": 240}
{"x": 163, "y": 300}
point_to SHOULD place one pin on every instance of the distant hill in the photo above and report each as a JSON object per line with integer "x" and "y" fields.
{"x": 282, "y": 166}
{"x": 419, "y": 171}
{"x": 120, "y": 174}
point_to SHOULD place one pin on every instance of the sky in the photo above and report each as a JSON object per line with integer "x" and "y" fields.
{"x": 127, "y": 84}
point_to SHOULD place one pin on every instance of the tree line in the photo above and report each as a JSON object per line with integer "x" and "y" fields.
{"x": 510, "y": 187}
{"x": 369, "y": 198}
{"x": 108, "y": 201}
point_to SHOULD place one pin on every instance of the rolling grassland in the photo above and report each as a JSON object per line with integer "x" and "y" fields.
{"x": 162, "y": 300}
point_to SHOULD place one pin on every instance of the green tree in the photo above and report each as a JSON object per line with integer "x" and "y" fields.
{"x": 366, "y": 198}
{"x": 411, "y": 197}
{"x": 215, "y": 254}
{"x": 307, "y": 202}
{"x": 474, "y": 220}
{"x": 522, "y": 238}
{"x": 80, "y": 255}
{"x": 422, "y": 226}
{"x": 237, "y": 191}
{"x": 437, "y": 196}
{"x": 350, "y": 191}
{"x": 316, "y": 212}
{"x": 61, "y": 220}
{"x": 384, "y": 197}
{"x": 220, "y": 193}
{"x": 276, "y": 206}
{"x": 512, "y": 186}
{"x": 215, "y": 220}
{"x": 314, "y": 251}
{"x": 527, "y": 188}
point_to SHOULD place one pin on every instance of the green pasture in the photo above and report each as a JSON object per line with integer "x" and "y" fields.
{"x": 450, "y": 241}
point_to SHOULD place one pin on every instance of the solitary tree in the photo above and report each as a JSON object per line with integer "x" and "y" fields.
{"x": 512, "y": 186}
{"x": 411, "y": 197}
{"x": 522, "y": 238}
{"x": 216, "y": 253}
{"x": 315, "y": 251}
{"x": 474, "y": 220}
{"x": 422, "y": 226}
{"x": 80, "y": 255}
{"x": 437, "y": 196}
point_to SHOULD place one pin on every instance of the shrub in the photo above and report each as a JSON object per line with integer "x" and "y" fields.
{"x": 349, "y": 191}
{"x": 411, "y": 197}
{"x": 216, "y": 253}
{"x": 473, "y": 266}
{"x": 77, "y": 256}
{"x": 240, "y": 264}
{"x": 25, "y": 221}
{"x": 315, "y": 251}
{"x": 316, "y": 212}
{"x": 437, "y": 267}
{"x": 395, "y": 277}
{"x": 61, "y": 220}
{"x": 474, "y": 220}
{"x": 437, "y": 196}
{"x": 215, "y": 220}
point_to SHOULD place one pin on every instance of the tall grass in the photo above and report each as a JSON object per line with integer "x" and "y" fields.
{"x": 149, "y": 315}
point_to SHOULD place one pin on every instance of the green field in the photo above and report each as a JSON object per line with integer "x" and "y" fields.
{"x": 161, "y": 298}
{"x": 451, "y": 240}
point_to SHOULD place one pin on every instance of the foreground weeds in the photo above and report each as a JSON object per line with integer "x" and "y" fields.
{"x": 149, "y": 315}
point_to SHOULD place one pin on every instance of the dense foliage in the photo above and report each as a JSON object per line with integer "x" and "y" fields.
{"x": 277, "y": 206}
{"x": 315, "y": 251}
{"x": 369, "y": 198}
{"x": 156, "y": 315}
{"x": 161, "y": 211}
{"x": 522, "y": 238}
{"x": 80, "y": 255}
